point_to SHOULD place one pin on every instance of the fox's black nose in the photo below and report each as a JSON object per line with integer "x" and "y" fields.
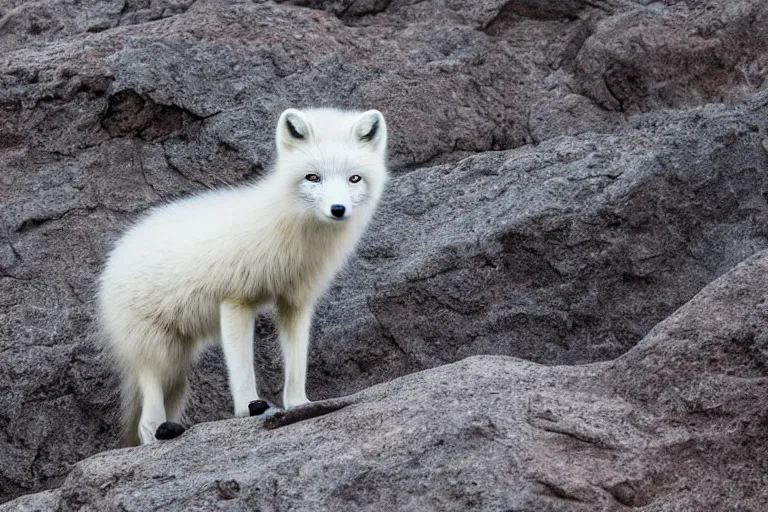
{"x": 337, "y": 210}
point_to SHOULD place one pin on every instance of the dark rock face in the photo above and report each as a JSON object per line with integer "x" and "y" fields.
{"x": 565, "y": 175}
{"x": 677, "y": 423}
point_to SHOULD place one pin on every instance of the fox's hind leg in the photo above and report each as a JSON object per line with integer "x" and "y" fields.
{"x": 174, "y": 396}
{"x": 152, "y": 406}
{"x": 159, "y": 363}
{"x": 237, "y": 324}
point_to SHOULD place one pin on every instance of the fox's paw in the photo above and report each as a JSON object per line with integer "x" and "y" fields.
{"x": 262, "y": 409}
{"x": 258, "y": 407}
{"x": 169, "y": 430}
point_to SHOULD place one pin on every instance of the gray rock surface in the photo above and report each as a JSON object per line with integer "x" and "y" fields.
{"x": 677, "y": 423}
{"x": 566, "y": 175}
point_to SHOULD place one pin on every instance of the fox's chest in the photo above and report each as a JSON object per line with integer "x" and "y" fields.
{"x": 290, "y": 271}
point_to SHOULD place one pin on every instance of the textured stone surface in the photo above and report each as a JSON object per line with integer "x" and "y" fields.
{"x": 566, "y": 174}
{"x": 677, "y": 423}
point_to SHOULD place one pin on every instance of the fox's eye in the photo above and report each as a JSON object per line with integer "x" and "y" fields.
{"x": 312, "y": 177}
{"x": 354, "y": 178}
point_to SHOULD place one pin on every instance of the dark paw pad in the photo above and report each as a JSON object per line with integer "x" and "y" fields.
{"x": 169, "y": 430}
{"x": 258, "y": 407}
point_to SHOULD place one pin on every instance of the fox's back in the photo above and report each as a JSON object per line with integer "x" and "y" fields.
{"x": 167, "y": 264}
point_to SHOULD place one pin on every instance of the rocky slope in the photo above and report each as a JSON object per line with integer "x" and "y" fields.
{"x": 565, "y": 175}
{"x": 677, "y": 423}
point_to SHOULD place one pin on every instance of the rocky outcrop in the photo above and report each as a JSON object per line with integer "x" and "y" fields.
{"x": 677, "y": 423}
{"x": 565, "y": 175}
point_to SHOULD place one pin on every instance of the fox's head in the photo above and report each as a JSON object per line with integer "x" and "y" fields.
{"x": 334, "y": 161}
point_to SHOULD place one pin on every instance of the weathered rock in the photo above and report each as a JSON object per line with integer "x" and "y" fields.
{"x": 677, "y": 423}
{"x": 565, "y": 252}
{"x": 610, "y": 213}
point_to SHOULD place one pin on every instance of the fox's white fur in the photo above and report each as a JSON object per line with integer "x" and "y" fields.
{"x": 196, "y": 271}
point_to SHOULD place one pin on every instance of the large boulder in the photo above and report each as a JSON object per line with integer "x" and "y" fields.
{"x": 565, "y": 175}
{"x": 677, "y": 423}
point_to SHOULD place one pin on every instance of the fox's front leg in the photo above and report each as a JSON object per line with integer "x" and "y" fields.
{"x": 293, "y": 322}
{"x": 237, "y": 321}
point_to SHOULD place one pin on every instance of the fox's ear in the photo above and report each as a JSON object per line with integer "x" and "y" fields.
{"x": 371, "y": 129}
{"x": 292, "y": 129}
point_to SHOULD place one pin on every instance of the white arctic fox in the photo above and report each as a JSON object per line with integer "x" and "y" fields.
{"x": 195, "y": 271}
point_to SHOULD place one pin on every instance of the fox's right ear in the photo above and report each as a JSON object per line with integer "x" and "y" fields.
{"x": 370, "y": 129}
{"x": 292, "y": 129}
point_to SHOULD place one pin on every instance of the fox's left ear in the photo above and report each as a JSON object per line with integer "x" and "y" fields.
{"x": 370, "y": 129}
{"x": 293, "y": 129}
